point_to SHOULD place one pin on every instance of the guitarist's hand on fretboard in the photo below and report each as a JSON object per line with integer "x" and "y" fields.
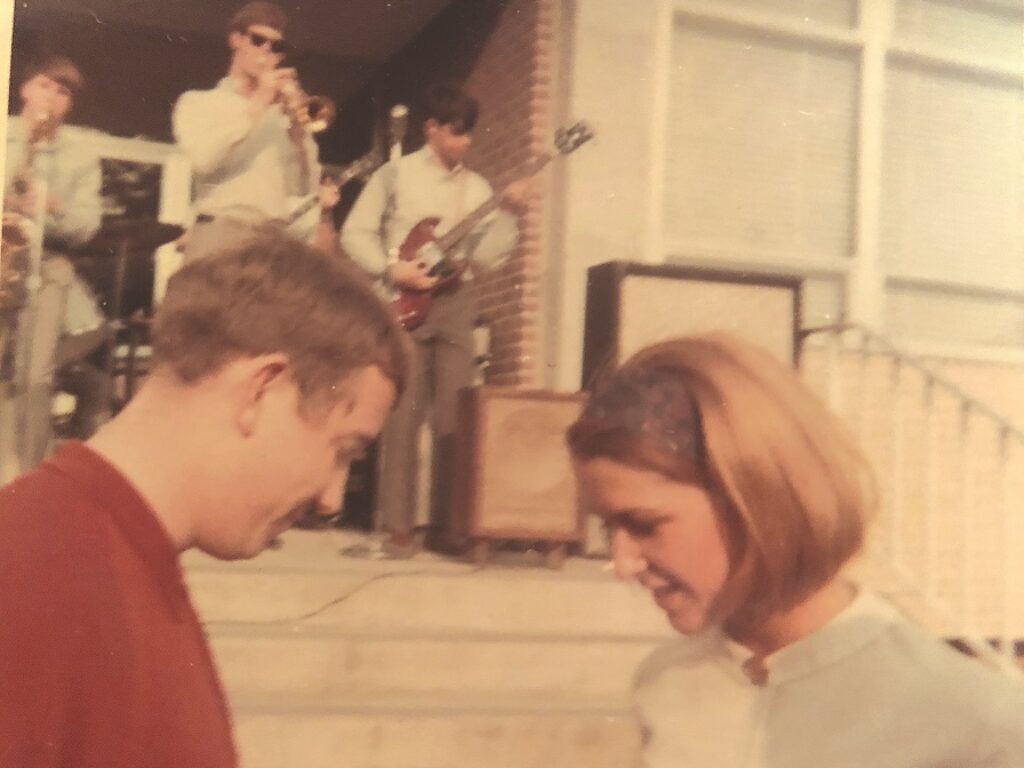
{"x": 411, "y": 275}
{"x": 329, "y": 194}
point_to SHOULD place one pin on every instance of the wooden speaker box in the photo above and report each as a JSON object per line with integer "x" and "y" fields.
{"x": 514, "y": 478}
{"x": 632, "y": 305}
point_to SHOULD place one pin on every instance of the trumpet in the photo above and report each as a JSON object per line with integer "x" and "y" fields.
{"x": 315, "y": 113}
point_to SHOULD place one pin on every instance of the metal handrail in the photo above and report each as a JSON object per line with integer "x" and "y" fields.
{"x": 870, "y": 341}
{"x": 916, "y": 363}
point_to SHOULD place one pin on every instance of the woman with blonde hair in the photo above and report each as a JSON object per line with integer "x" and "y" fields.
{"x": 733, "y": 496}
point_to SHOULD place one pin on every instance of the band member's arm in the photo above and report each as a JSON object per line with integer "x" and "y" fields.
{"x": 77, "y": 218}
{"x": 492, "y": 241}
{"x": 362, "y": 238}
{"x": 302, "y": 171}
{"x": 326, "y": 236}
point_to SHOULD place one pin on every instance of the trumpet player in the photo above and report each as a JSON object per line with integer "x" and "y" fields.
{"x": 248, "y": 142}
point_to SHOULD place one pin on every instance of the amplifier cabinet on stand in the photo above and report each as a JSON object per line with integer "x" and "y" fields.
{"x": 631, "y": 305}
{"x": 514, "y": 480}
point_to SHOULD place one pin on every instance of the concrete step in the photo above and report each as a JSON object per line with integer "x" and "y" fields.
{"x": 427, "y": 663}
{"x": 406, "y": 732}
{"x": 321, "y": 661}
{"x": 409, "y": 602}
{"x": 313, "y": 585}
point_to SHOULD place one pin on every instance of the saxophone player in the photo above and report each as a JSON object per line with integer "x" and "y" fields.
{"x": 249, "y": 151}
{"x": 36, "y": 148}
{"x": 55, "y": 178}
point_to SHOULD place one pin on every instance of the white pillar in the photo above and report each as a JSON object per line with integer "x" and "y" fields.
{"x": 661, "y": 76}
{"x": 866, "y": 280}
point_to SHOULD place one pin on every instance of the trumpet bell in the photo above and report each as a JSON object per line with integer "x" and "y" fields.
{"x": 320, "y": 113}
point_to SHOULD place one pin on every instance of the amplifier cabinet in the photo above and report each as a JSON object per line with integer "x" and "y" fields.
{"x": 631, "y": 305}
{"x": 514, "y": 479}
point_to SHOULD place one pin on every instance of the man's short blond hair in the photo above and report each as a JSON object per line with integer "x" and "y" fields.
{"x": 797, "y": 491}
{"x": 274, "y": 294}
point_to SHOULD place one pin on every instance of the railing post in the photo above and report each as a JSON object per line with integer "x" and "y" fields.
{"x": 896, "y": 462}
{"x": 968, "y": 518}
{"x": 931, "y": 476}
{"x": 833, "y": 371}
{"x": 1010, "y": 549}
{"x": 859, "y": 408}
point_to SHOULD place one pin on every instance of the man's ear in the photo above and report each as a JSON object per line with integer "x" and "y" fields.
{"x": 256, "y": 377}
{"x": 234, "y": 40}
{"x": 430, "y": 126}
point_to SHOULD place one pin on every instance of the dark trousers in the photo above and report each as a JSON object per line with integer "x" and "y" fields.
{"x": 93, "y": 391}
{"x": 443, "y": 364}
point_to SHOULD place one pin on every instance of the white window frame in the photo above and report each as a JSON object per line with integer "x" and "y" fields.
{"x": 864, "y": 278}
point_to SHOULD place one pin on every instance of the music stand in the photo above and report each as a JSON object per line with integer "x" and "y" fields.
{"x": 120, "y": 238}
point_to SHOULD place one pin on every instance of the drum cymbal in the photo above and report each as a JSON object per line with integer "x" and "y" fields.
{"x": 139, "y": 234}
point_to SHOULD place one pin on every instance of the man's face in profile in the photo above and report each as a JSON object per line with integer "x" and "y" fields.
{"x": 296, "y": 461}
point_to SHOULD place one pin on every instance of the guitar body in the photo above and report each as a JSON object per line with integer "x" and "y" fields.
{"x": 411, "y": 307}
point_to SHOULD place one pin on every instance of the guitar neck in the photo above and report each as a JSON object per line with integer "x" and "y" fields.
{"x": 454, "y": 236}
{"x": 349, "y": 172}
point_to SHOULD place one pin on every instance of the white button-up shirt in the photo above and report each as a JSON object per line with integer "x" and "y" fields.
{"x": 399, "y": 195}
{"x": 242, "y": 168}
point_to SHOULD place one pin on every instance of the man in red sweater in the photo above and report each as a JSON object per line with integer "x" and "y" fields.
{"x": 275, "y": 367}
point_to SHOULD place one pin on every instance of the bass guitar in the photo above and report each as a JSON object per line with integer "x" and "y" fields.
{"x": 439, "y": 253}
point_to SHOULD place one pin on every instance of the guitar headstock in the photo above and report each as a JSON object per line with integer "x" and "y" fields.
{"x": 362, "y": 167}
{"x": 568, "y": 140}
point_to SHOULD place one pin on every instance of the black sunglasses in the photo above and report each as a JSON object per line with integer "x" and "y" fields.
{"x": 276, "y": 46}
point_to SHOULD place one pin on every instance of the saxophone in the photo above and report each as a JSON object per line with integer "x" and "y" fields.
{"x": 20, "y": 230}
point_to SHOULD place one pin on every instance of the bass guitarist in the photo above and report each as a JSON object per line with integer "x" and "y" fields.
{"x": 430, "y": 183}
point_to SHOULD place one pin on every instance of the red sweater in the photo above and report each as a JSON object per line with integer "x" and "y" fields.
{"x": 103, "y": 663}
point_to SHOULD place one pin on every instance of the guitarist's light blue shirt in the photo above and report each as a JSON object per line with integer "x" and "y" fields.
{"x": 418, "y": 186}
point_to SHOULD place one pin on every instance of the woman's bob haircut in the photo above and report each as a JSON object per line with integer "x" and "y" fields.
{"x": 797, "y": 491}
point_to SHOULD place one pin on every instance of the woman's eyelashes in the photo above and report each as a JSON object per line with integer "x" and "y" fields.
{"x": 637, "y": 526}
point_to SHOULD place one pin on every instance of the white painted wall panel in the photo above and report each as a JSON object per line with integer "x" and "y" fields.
{"x": 943, "y": 316}
{"x": 840, "y": 13}
{"x": 953, "y": 179}
{"x": 985, "y": 30}
{"x": 761, "y": 144}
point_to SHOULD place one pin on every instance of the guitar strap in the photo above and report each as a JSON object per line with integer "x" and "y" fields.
{"x": 390, "y": 172}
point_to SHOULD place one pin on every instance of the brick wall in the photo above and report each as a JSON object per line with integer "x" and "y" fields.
{"x": 503, "y": 50}
{"x": 514, "y": 71}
